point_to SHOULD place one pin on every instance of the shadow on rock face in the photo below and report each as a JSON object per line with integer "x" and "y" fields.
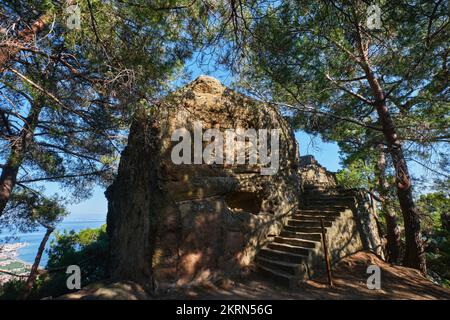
{"x": 194, "y": 220}
{"x": 244, "y": 201}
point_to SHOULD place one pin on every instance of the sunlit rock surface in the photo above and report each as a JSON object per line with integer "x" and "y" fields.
{"x": 194, "y": 221}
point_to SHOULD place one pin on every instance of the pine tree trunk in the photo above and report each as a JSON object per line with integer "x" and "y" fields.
{"x": 8, "y": 52}
{"x": 19, "y": 149}
{"x": 414, "y": 252}
{"x": 34, "y": 269}
{"x": 393, "y": 229}
{"x": 8, "y": 178}
{"x": 7, "y": 182}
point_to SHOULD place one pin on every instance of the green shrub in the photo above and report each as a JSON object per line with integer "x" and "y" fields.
{"x": 439, "y": 257}
{"x": 88, "y": 249}
{"x": 433, "y": 207}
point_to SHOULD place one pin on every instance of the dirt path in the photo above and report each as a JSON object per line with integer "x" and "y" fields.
{"x": 349, "y": 278}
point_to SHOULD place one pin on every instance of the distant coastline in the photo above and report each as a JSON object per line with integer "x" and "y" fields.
{"x": 10, "y": 262}
{"x": 9, "y": 250}
{"x": 17, "y": 256}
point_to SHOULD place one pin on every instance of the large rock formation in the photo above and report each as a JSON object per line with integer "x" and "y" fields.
{"x": 192, "y": 221}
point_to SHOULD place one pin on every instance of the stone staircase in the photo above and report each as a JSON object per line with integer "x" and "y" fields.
{"x": 297, "y": 252}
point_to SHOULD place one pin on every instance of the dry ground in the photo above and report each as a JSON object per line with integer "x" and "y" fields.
{"x": 349, "y": 277}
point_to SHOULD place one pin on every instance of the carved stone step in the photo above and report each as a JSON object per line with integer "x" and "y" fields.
{"x": 301, "y": 235}
{"x": 293, "y": 269}
{"x": 317, "y": 217}
{"x": 322, "y": 206}
{"x": 278, "y": 276}
{"x": 304, "y": 229}
{"x": 298, "y": 242}
{"x": 328, "y": 202}
{"x": 308, "y": 223}
{"x": 282, "y": 255}
{"x": 329, "y": 197}
{"x": 318, "y": 212}
{"x": 289, "y": 248}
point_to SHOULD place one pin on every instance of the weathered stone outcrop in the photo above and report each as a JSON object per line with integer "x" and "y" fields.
{"x": 313, "y": 175}
{"x": 186, "y": 222}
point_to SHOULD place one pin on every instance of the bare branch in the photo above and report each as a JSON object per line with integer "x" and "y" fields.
{"x": 65, "y": 176}
{"x": 354, "y": 94}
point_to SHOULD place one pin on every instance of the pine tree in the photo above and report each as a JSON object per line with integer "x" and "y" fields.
{"x": 324, "y": 59}
{"x": 67, "y": 95}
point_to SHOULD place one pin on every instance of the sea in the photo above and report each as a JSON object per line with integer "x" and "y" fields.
{"x": 32, "y": 240}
